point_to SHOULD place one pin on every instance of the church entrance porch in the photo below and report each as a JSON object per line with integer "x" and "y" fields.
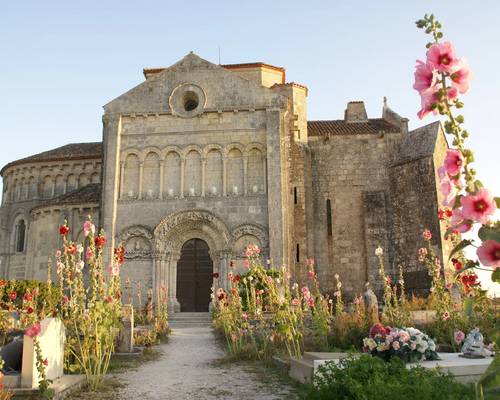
{"x": 194, "y": 276}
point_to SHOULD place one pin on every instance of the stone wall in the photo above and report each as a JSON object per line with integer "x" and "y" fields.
{"x": 350, "y": 175}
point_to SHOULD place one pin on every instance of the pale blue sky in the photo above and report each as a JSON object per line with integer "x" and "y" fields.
{"x": 60, "y": 61}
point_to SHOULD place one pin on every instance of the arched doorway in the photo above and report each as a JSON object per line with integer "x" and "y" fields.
{"x": 194, "y": 276}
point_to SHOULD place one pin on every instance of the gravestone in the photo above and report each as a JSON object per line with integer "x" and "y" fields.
{"x": 51, "y": 338}
{"x": 126, "y": 335}
{"x": 371, "y": 304}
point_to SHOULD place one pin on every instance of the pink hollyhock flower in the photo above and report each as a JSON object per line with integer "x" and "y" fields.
{"x": 88, "y": 253}
{"x": 453, "y": 162}
{"x": 459, "y": 223}
{"x": 311, "y": 302}
{"x": 88, "y": 227}
{"x": 446, "y": 316}
{"x": 426, "y": 234}
{"x": 295, "y": 302}
{"x": 33, "y": 330}
{"x": 269, "y": 280}
{"x": 45, "y": 362}
{"x": 58, "y": 253}
{"x": 459, "y": 337}
{"x": 244, "y": 316}
{"x": 425, "y": 77}
{"x": 310, "y": 274}
{"x": 478, "y": 207}
{"x": 442, "y": 57}
{"x": 449, "y": 191}
{"x": 489, "y": 253}
{"x": 428, "y": 102}
{"x": 460, "y": 77}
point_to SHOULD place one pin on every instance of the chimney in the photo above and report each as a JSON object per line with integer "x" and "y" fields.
{"x": 355, "y": 112}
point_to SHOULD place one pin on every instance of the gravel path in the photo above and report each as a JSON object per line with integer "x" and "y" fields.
{"x": 192, "y": 367}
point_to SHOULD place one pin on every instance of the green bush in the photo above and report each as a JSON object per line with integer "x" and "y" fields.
{"x": 367, "y": 378}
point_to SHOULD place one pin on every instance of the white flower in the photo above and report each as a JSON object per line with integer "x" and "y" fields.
{"x": 339, "y": 285}
{"x": 379, "y": 251}
{"x": 79, "y": 266}
{"x": 336, "y": 276}
{"x": 79, "y": 248}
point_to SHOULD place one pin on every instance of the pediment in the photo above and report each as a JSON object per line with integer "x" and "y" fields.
{"x": 224, "y": 89}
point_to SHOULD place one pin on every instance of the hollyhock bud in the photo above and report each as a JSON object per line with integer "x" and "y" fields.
{"x": 425, "y": 77}
{"x": 442, "y": 57}
{"x": 489, "y": 253}
{"x": 478, "y": 207}
{"x": 63, "y": 230}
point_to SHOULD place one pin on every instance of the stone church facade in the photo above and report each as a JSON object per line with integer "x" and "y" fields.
{"x": 200, "y": 160}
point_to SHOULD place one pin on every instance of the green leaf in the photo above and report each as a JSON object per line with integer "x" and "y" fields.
{"x": 462, "y": 245}
{"x": 497, "y": 200}
{"x": 489, "y": 233}
{"x": 495, "y": 276}
{"x": 468, "y": 302}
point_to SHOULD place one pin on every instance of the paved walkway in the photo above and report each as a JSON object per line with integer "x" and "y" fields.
{"x": 191, "y": 367}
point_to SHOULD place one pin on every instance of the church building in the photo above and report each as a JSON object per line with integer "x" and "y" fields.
{"x": 200, "y": 160}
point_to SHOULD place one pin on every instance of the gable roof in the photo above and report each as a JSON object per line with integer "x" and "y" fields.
{"x": 72, "y": 151}
{"x": 417, "y": 144}
{"x": 89, "y": 194}
{"x": 341, "y": 127}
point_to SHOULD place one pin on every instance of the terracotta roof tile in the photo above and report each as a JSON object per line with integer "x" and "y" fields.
{"x": 341, "y": 127}
{"x": 72, "y": 151}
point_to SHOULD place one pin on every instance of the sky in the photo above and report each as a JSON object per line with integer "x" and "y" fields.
{"x": 61, "y": 61}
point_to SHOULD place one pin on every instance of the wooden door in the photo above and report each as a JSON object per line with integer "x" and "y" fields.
{"x": 194, "y": 276}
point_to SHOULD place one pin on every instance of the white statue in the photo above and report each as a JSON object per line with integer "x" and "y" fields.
{"x": 473, "y": 346}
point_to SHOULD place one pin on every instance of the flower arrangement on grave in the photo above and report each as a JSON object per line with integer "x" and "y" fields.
{"x": 408, "y": 344}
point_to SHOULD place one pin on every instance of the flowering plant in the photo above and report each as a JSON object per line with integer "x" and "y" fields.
{"x": 409, "y": 344}
{"x": 439, "y": 80}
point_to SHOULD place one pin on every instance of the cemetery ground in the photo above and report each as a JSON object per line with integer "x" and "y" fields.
{"x": 192, "y": 365}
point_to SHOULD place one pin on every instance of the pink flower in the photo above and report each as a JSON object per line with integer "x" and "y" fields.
{"x": 442, "y": 57}
{"x": 429, "y": 100}
{"x": 395, "y": 345}
{"x": 478, "y": 207}
{"x": 295, "y": 302}
{"x": 88, "y": 253}
{"x": 244, "y": 316}
{"x": 269, "y": 280}
{"x": 33, "y": 330}
{"x": 404, "y": 336}
{"x": 311, "y": 302}
{"x": 459, "y": 223}
{"x": 310, "y": 274}
{"x": 460, "y": 77}
{"x": 426, "y": 234}
{"x": 446, "y": 316}
{"x": 425, "y": 77}
{"x": 459, "y": 337}
{"x": 45, "y": 362}
{"x": 58, "y": 253}
{"x": 449, "y": 191}
{"x": 88, "y": 227}
{"x": 489, "y": 253}
{"x": 453, "y": 162}
{"x": 230, "y": 276}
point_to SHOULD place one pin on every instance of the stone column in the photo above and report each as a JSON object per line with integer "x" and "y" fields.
{"x": 162, "y": 171}
{"x": 171, "y": 277}
{"x": 183, "y": 167}
{"x": 223, "y": 261}
{"x": 224, "y": 176}
{"x": 65, "y": 189}
{"x": 245, "y": 175}
{"x": 203, "y": 175}
{"x": 141, "y": 173}
{"x": 122, "y": 174}
{"x": 264, "y": 173}
{"x": 53, "y": 187}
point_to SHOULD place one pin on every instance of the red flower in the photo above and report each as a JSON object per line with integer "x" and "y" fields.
{"x": 457, "y": 264}
{"x": 28, "y": 296}
{"x": 100, "y": 241}
{"x": 231, "y": 263}
{"x": 215, "y": 275}
{"x": 427, "y": 235}
{"x": 236, "y": 278}
{"x": 29, "y": 310}
{"x": 378, "y": 329}
{"x": 71, "y": 248}
{"x": 2, "y": 283}
{"x": 64, "y": 230}
{"x": 13, "y": 295}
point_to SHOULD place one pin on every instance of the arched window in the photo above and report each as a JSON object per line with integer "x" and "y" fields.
{"x": 20, "y": 236}
{"x": 329, "y": 217}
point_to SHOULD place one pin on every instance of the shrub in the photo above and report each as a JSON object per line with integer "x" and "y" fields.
{"x": 368, "y": 377}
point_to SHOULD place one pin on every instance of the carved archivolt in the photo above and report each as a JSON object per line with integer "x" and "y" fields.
{"x": 254, "y": 230}
{"x": 174, "y": 230}
{"x": 138, "y": 241}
